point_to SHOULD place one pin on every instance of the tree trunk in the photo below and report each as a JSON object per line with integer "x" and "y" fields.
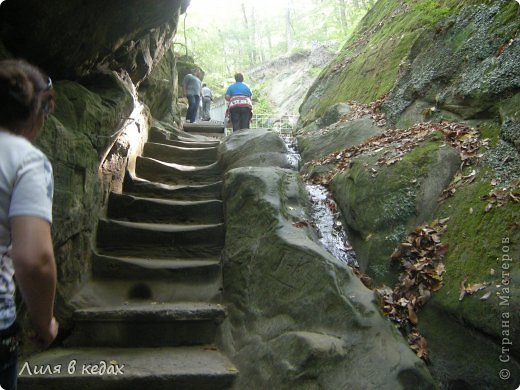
{"x": 248, "y": 36}
{"x": 343, "y": 15}
{"x": 252, "y": 41}
{"x": 224, "y": 51}
{"x": 288, "y": 28}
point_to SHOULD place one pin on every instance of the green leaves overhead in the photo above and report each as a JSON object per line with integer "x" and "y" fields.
{"x": 225, "y": 37}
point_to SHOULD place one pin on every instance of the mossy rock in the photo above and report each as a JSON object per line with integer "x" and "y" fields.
{"x": 463, "y": 358}
{"x": 510, "y": 115}
{"x": 159, "y": 90}
{"x": 382, "y": 204}
{"x": 316, "y": 144}
{"x": 481, "y": 246}
{"x": 94, "y": 109}
{"x": 422, "y": 111}
{"x": 425, "y": 51}
{"x": 372, "y": 59}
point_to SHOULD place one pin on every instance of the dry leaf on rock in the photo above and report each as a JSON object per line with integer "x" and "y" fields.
{"x": 420, "y": 257}
{"x": 470, "y": 289}
{"x": 300, "y": 224}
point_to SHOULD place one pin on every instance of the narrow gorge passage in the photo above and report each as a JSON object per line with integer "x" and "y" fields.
{"x": 149, "y": 314}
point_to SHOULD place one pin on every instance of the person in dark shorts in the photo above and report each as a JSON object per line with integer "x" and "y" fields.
{"x": 240, "y": 104}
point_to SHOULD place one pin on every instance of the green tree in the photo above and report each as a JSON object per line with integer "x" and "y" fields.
{"x": 244, "y": 34}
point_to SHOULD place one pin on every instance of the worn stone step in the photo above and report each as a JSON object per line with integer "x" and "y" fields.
{"x": 133, "y": 208}
{"x": 216, "y": 136}
{"x": 181, "y": 155}
{"x": 179, "y": 368}
{"x": 103, "y": 292}
{"x": 146, "y": 325}
{"x": 187, "y": 141}
{"x": 190, "y": 270}
{"x": 204, "y": 128}
{"x": 122, "y": 238}
{"x": 142, "y": 187}
{"x": 170, "y": 173}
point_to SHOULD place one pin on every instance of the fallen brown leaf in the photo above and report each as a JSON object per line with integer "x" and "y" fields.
{"x": 300, "y": 224}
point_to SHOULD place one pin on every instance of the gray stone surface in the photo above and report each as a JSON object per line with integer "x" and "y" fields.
{"x": 334, "y": 114}
{"x": 337, "y": 136}
{"x": 298, "y": 317}
{"x": 452, "y": 75}
{"x": 151, "y": 368}
{"x": 257, "y": 147}
{"x": 159, "y": 90}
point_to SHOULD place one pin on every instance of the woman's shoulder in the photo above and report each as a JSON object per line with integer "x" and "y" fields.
{"x": 19, "y": 148}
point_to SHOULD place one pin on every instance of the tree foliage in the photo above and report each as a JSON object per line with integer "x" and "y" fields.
{"x": 243, "y": 34}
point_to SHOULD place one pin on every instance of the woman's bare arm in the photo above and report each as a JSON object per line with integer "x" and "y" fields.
{"x": 35, "y": 272}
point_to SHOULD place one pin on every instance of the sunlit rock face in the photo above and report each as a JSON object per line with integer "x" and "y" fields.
{"x": 72, "y": 38}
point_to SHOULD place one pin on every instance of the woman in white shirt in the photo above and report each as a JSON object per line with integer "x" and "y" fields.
{"x": 26, "y": 191}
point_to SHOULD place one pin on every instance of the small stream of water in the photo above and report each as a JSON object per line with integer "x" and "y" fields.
{"x": 325, "y": 215}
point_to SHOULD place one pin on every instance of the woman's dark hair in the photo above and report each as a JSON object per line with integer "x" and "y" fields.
{"x": 239, "y": 77}
{"x": 24, "y": 91}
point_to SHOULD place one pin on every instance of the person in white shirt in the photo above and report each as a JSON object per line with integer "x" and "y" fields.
{"x": 207, "y": 98}
{"x": 26, "y": 192}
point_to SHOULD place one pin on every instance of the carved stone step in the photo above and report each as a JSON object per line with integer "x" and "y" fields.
{"x": 170, "y": 173}
{"x": 146, "y": 325}
{"x": 180, "y": 368}
{"x": 204, "y": 128}
{"x": 189, "y": 141}
{"x": 120, "y": 238}
{"x": 103, "y": 292}
{"x": 181, "y": 155}
{"x": 142, "y": 187}
{"x": 190, "y": 270}
{"x": 132, "y": 208}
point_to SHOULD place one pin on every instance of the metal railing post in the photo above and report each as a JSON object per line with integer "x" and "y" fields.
{"x": 283, "y": 125}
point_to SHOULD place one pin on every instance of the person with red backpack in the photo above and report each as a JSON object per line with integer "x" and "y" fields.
{"x": 240, "y": 107}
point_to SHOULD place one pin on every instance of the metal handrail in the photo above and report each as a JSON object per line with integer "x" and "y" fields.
{"x": 284, "y": 124}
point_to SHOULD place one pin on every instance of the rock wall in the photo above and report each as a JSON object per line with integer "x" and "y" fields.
{"x": 96, "y": 52}
{"x": 429, "y": 62}
{"x": 71, "y": 39}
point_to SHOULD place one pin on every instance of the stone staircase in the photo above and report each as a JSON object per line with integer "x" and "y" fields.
{"x": 150, "y": 313}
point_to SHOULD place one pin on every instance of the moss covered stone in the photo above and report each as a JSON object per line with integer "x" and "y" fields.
{"x": 160, "y": 89}
{"x": 462, "y": 358}
{"x": 316, "y": 144}
{"x": 480, "y": 244}
{"x": 448, "y": 60}
{"x": 381, "y": 204}
{"x": 420, "y": 50}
